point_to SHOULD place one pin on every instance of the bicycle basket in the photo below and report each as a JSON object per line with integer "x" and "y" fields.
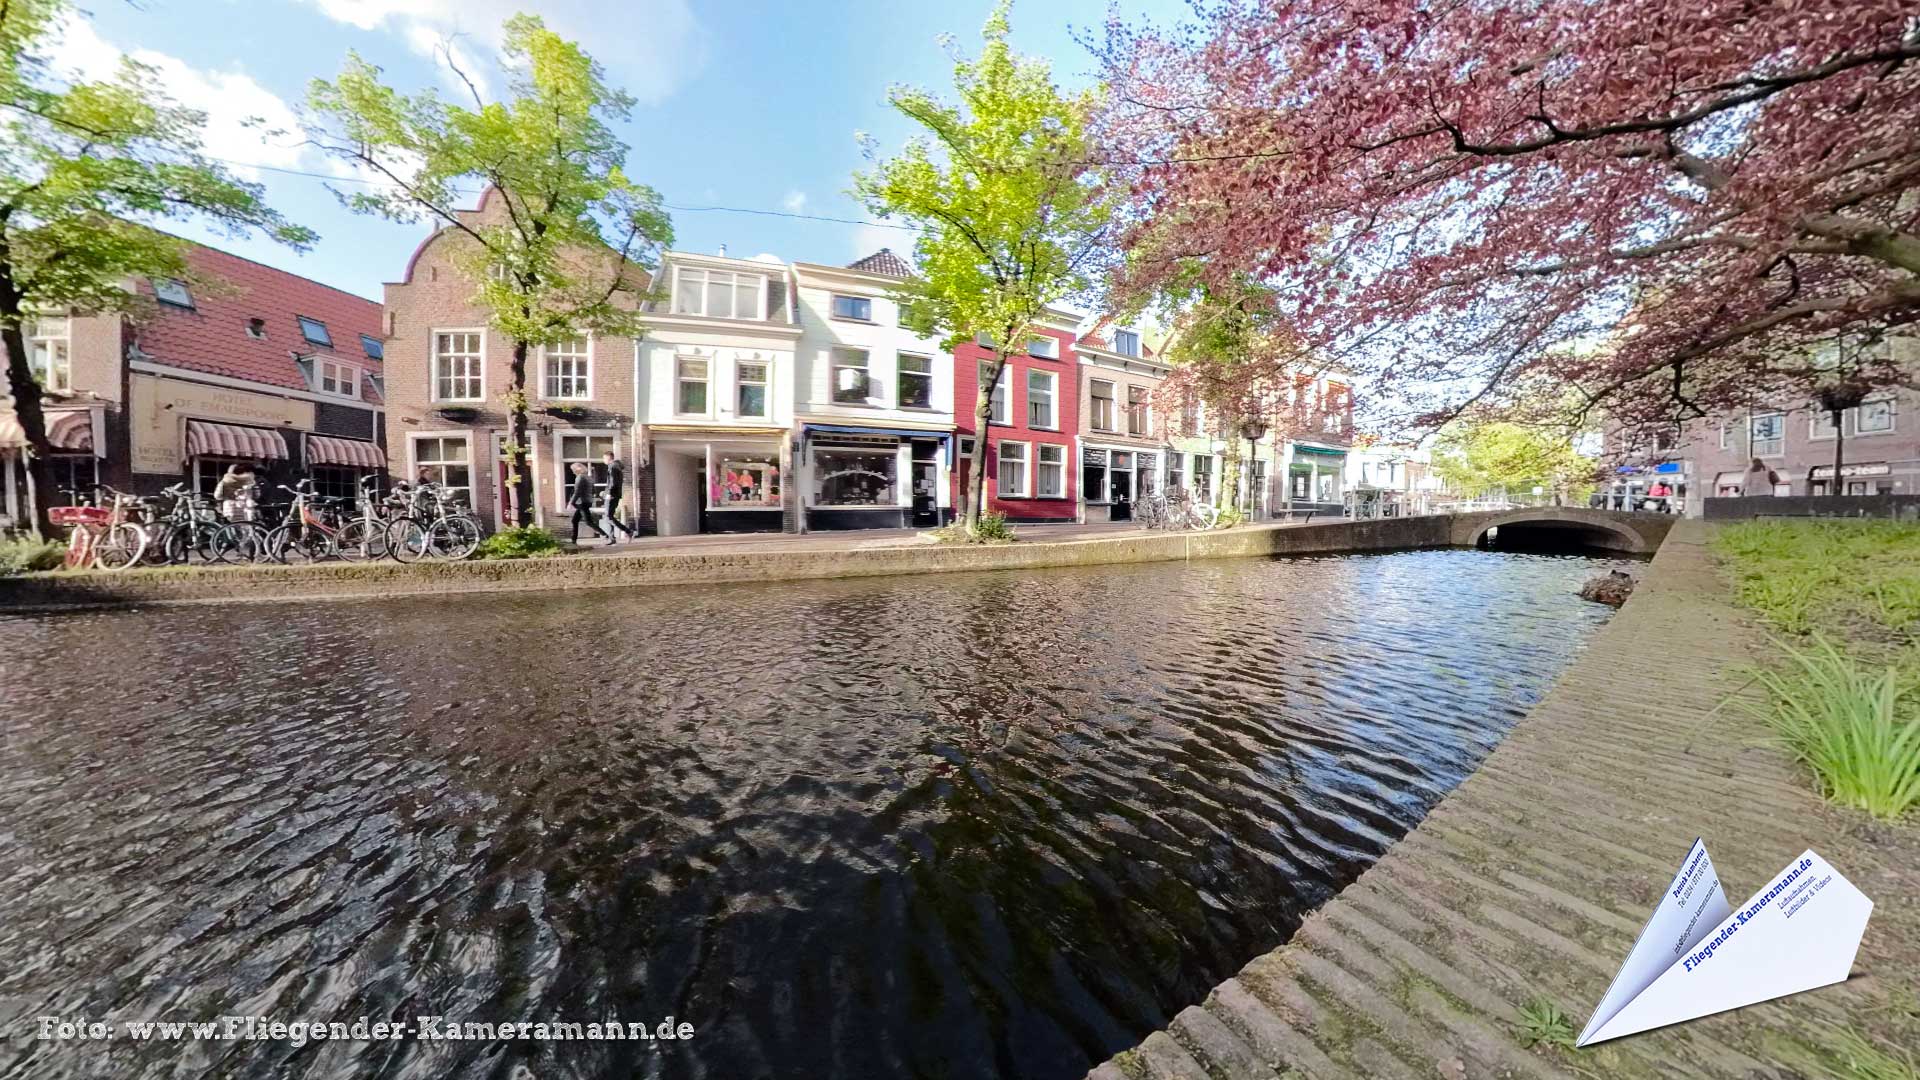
{"x": 79, "y": 515}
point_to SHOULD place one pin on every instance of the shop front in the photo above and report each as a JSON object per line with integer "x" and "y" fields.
{"x": 1314, "y": 479}
{"x": 874, "y": 478}
{"x": 338, "y": 464}
{"x": 1113, "y": 478}
{"x": 1864, "y": 478}
{"x": 719, "y": 480}
{"x": 177, "y": 425}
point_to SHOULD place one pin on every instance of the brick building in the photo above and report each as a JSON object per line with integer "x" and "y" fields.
{"x": 1031, "y": 432}
{"x": 1123, "y": 436}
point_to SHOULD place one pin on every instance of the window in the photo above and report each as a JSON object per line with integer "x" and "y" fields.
{"x": 1874, "y": 417}
{"x": 997, "y": 412}
{"x": 445, "y": 460}
{"x": 1203, "y": 478}
{"x": 314, "y": 331}
{"x": 1051, "y": 478}
{"x": 1102, "y": 394}
{"x": 588, "y": 450}
{"x": 50, "y": 351}
{"x": 336, "y": 482}
{"x": 1122, "y": 477}
{"x": 340, "y": 380}
{"x": 1820, "y": 423}
{"x": 1126, "y": 343}
{"x": 1147, "y": 468}
{"x": 1334, "y": 420}
{"x": 257, "y": 329}
{"x": 1046, "y": 347}
{"x": 1176, "y": 471}
{"x": 1012, "y": 481}
{"x": 1041, "y": 412}
{"x": 1726, "y": 435}
{"x": 718, "y": 294}
{"x": 745, "y": 484}
{"x": 1093, "y": 475}
{"x": 750, "y": 389}
{"x": 74, "y": 475}
{"x": 853, "y": 307}
{"x": 172, "y": 291}
{"x": 916, "y": 381}
{"x": 456, "y": 366}
{"x": 690, "y": 377}
{"x": 1190, "y": 415}
{"x": 1769, "y": 434}
{"x": 373, "y": 347}
{"x": 1136, "y": 410}
{"x": 848, "y": 477}
{"x": 851, "y": 385}
{"x": 565, "y": 365}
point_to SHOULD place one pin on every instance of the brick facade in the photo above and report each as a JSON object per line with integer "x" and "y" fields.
{"x": 1030, "y": 506}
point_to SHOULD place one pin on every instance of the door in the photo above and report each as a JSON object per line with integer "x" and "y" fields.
{"x": 926, "y": 508}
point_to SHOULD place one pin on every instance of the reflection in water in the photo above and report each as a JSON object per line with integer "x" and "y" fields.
{"x": 997, "y": 824}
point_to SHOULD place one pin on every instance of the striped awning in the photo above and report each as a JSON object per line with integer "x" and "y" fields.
{"x": 353, "y": 453}
{"x": 12, "y": 435}
{"x": 72, "y": 431}
{"x": 234, "y": 441}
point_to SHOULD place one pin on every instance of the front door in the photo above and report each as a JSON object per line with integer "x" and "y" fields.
{"x": 926, "y": 500}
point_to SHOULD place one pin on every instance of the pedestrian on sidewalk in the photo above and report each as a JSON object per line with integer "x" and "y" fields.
{"x": 582, "y": 500}
{"x": 616, "y": 486}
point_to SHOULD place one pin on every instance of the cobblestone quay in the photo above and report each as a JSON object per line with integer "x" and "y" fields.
{"x": 1532, "y": 879}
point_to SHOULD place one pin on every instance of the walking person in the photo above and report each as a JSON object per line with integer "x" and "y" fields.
{"x": 616, "y": 486}
{"x": 582, "y": 501}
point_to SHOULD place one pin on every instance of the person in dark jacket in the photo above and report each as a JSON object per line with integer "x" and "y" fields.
{"x": 582, "y": 501}
{"x": 616, "y": 486}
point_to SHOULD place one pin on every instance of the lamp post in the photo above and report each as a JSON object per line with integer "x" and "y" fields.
{"x": 1253, "y": 431}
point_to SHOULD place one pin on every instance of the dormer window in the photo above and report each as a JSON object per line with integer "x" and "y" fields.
{"x": 257, "y": 329}
{"x": 373, "y": 346}
{"x": 172, "y": 291}
{"x": 337, "y": 379}
{"x": 718, "y": 294}
{"x": 315, "y": 332}
{"x": 1126, "y": 343}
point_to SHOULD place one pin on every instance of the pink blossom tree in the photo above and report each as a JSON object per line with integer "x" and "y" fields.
{"x": 1671, "y": 208}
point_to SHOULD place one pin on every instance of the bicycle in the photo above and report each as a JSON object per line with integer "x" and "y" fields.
{"x": 433, "y": 528}
{"x": 103, "y": 538}
{"x": 303, "y": 536}
{"x": 365, "y": 535}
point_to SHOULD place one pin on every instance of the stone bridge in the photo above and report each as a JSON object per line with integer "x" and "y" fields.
{"x": 1612, "y": 530}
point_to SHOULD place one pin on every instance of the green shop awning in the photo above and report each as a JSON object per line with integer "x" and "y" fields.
{"x": 1323, "y": 451}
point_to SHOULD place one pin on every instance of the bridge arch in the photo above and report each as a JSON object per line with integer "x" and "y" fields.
{"x": 1611, "y": 530}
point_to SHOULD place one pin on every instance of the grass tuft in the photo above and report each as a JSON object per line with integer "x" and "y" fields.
{"x": 1543, "y": 1024}
{"x": 1855, "y": 724}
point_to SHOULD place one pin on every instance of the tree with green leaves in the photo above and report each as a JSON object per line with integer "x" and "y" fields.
{"x": 84, "y": 166}
{"x": 1013, "y": 215}
{"x": 1479, "y": 456}
{"x": 575, "y": 238}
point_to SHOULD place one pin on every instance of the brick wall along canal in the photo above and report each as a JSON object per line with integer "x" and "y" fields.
{"x": 970, "y": 825}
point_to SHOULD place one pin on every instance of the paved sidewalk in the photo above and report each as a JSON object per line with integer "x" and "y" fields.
{"x": 837, "y": 540}
{"x": 1534, "y": 877}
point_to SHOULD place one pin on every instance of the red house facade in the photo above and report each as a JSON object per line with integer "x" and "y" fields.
{"x": 1031, "y": 472}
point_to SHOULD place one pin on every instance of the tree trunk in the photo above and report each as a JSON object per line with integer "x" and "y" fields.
{"x": 517, "y": 474}
{"x": 1839, "y": 450}
{"x": 25, "y": 390}
{"x": 982, "y": 410}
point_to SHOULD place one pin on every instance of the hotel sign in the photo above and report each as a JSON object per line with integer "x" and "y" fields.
{"x": 160, "y": 408}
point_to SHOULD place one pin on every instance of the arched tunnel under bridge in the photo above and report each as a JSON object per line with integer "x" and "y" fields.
{"x": 1563, "y": 528}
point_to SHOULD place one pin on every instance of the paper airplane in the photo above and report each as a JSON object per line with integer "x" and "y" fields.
{"x": 1698, "y": 956}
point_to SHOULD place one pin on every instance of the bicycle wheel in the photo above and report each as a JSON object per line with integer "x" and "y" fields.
{"x": 80, "y": 548}
{"x": 239, "y": 542}
{"x": 409, "y": 540}
{"x": 294, "y": 546}
{"x": 458, "y": 536}
{"x": 120, "y": 547}
{"x": 160, "y": 544}
{"x": 360, "y": 540}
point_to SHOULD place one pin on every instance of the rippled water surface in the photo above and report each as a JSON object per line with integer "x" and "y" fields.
{"x": 982, "y": 825}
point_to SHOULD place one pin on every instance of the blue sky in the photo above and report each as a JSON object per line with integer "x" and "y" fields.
{"x": 742, "y": 104}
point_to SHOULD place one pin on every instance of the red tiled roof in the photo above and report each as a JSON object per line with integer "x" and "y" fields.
{"x": 1100, "y": 336}
{"x": 883, "y": 261}
{"x": 212, "y": 337}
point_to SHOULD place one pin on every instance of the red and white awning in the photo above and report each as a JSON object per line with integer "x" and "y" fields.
{"x": 234, "y": 441}
{"x": 353, "y": 453}
{"x": 71, "y": 431}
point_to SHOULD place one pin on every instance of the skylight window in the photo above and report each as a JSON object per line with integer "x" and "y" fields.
{"x": 376, "y": 349}
{"x": 315, "y": 331}
{"x": 172, "y": 291}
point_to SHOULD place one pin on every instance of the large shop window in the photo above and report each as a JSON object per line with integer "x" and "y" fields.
{"x": 74, "y": 475}
{"x": 1093, "y": 475}
{"x": 997, "y": 408}
{"x": 336, "y": 482}
{"x": 750, "y": 390}
{"x": 1147, "y": 472}
{"x": 745, "y": 483}
{"x": 1012, "y": 479}
{"x": 1176, "y": 472}
{"x": 49, "y": 351}
{"x": 1300, "y": 483}
{"x": 916, "y": 381}
{"x": 456, "y": 366}
{"x": 446, "y": 461}
{"x": 1120, "y": 477}
{"x": 1203, "y": 477}
{"x": 1050, "y": 471}
{"x": 690, "y": 391}
{"x": 851, "y": 385}
{"x": 566, "y": 370}
{"x": 1101, "y": 393}
{"x": 1041, "y": 408}
{"x": 719, "y": 294}
{"x": 847, "y": 477}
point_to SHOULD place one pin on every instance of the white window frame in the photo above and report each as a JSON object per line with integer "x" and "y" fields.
{"x": 346, "y": 377}
{"x": 900, "y": 374}
{"x": 1047, "y": 348}
{"x": 1146, "y": 411}
{"x": 1039, "y": 451}
{"x": 1893, "y": 417}
{"x": 1093, "y": 406}
{"x": 465, "y": 435}
{"x": 563, "y": 476}
{"x": 433, "y": 363}
{"x": 585, "y": 356}
{"x": 1053, "y": 399}
{"x": 1025, "y": 472}
{"x": 1755, "y": 441}
{"x": 708, "y": 381}
{"x": 765, "y": 383}
{"x": 1726, "y": 434}
{"x": 835, "y": 366}
{"x": 1000, "y": 407}
{"x": 734, "y": 278}
{"x": 57, "y": 373}
{"x": 833, "y": 307}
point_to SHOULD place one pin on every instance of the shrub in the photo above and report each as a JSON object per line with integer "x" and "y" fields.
{"x": 993, "y": 529}
{"x": 23, "y": 554}
{"x": 530, "y": 542}
{"x": 1855, "y": 725}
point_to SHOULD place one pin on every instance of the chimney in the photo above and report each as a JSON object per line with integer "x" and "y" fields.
{"x": 723, "y": 251}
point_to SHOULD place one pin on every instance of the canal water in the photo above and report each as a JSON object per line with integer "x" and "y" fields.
{"x": 948, "y": 826}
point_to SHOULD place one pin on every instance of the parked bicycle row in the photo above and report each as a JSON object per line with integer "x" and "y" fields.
{"x": 112, "y": 530}
{"x": 1176, "y": 509}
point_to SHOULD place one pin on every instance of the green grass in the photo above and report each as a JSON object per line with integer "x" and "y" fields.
{"x": 20, "y": 555}
{"x": 1543, "y": 1024}
{"x": 1844, "y": 692}
{"x": 530, "y": 542}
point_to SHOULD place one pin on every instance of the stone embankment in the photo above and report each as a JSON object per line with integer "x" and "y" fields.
{"x": 1531, "y": 881}
{"x": 337, "y": 580}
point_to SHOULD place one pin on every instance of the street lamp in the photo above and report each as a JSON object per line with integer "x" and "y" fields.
{"x": 1253, "y": 431}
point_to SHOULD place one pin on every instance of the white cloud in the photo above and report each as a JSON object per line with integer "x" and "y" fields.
{"x": 649, "y": 47}
{"x": 795, "y": 202}
{"x": 867, "y": 239}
